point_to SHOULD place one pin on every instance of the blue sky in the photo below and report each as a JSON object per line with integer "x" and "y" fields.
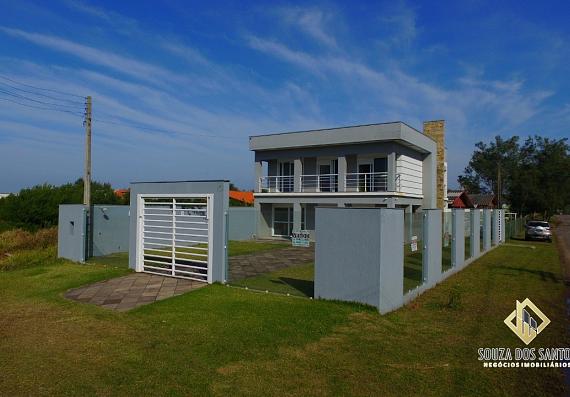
{"x": 200, "y": 77}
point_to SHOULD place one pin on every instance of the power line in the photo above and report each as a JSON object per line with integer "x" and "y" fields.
{"x": 43, "y": 95}
{"x": 40, "y": 88}
{"x": 166, "y": 131}
{"x": 42, "y": 108}
{"x": 35, "y": 100}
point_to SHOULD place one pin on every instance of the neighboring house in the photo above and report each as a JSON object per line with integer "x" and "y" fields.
{"x": 379, "y": 165}
{"x": 459, "y": 199}
{"x": 243, "y": 197}
{"x": 483, "y": 200}
{"x": 2, "y": 195}
{"x": 121, "y": 192}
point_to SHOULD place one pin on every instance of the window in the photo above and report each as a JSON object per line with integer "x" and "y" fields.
{"x": 286, "y": 172}
{"x": 283, "y": 220}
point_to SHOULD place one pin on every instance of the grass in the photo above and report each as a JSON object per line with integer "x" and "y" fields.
{"x": 294, "y": 280}
{"x": 234, "y": 248}
{"x": 220, "y": 340}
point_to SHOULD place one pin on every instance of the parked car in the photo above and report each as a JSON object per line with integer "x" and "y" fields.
{"x": 539, "y": 230}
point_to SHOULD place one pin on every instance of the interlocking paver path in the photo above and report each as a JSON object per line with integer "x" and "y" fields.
{"x": 128, "y": 292}
{"x": 243, "y": 266}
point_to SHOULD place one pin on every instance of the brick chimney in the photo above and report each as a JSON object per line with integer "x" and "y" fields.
{"x": 436, "y": 130}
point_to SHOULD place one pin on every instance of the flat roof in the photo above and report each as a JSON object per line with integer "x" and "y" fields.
{"x": 195, "y": 180}
{"x": 393, "y": 131}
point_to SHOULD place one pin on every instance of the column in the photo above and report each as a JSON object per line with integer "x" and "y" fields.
{"x": 409, "y": 222}
{"x": 391, "y": 183}
{"x": 474, "y": 236}
{"x": 457, "y": 237}
{"x": 342, "y": 173}
{"x": 258, "y": 175}
{"x": 297, "y": 213}
{"x": 495, "y": 233}
{"x": 486, "y": 229}
{"x": 297, "y": 172}
{"x": 431, "y": 244}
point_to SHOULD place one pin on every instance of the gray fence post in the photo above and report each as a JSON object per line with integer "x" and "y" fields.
{"x": 495, "y": 222}
{"x": 474, "y": 236}
{"x": 364, "y": 263}
{"x": 486, "y": 229}
{"x": 502, "y": 226}
{"x": 431, "y": 258}
{"x": 457, "y": 237}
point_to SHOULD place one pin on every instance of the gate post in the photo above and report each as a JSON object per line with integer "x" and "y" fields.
{"x": 486, "y": 229}
{"x": 474, "y": 235}
{"x": 496, "y": 227}
{"x": 457, "y": 237}
{"x": 431, "y": 257}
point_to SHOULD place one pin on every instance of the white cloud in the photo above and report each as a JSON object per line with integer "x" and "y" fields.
{"x": 313, "y": 21}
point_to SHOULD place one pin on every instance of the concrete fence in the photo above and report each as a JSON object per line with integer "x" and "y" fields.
{"x": 109, "y": 231}
{"x": 361, "y": 252}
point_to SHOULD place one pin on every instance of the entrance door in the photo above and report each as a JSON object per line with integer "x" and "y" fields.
{"x": 174, "y": 236}
{"x": 364, "y": 177}
{"x": 328, "y": 175}
{"x": 286, "y": 173}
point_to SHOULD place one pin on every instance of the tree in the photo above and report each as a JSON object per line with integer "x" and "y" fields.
{"x": 38, "y": 206}
{"x": 535, "y": 176}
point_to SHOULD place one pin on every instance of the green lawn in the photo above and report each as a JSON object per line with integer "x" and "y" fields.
{"x": 220, "y": 340}
{"x": 234, "y": 248}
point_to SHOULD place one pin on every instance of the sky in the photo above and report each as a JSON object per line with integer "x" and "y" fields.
{"x": 178, "y": 86}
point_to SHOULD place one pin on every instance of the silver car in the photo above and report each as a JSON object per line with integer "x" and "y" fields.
{"x": 538, "y": 230}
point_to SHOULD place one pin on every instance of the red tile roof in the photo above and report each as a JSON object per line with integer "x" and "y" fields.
{"x": 244, "y": 197}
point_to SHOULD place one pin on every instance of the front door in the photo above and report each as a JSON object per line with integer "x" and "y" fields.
{"x": 285, "y": 181}
{"x": 328, "y": 176}
{"x": 364, "y": 177}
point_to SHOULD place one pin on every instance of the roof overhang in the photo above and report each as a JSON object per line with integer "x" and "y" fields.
{"x": 387, "y": 132}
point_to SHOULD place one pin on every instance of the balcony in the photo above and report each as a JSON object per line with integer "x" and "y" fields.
{"x": 357, "y": 182}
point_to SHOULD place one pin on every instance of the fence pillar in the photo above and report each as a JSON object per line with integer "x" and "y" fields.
{"x": 431, "y": 257}
{"x": 457, "y": 237}
{"x": 502, "y": 226}
{"x": 474, "y": 233}
{"x": 486, "y": 229}
{"x": 495, "y": 227}
{"x": 363, "y": 264}
{"x": 409, "y": 222}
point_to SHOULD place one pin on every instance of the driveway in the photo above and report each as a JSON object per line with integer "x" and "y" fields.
{"x": 243, "y": 266}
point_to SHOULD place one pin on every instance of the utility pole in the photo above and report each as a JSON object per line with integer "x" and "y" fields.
{"x": 87, "y": 178}
{"x": 87, "y": 175}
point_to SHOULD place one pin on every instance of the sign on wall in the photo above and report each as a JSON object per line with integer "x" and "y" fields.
{"x": 300, "y": 238}
{"x": 414, "y": 244}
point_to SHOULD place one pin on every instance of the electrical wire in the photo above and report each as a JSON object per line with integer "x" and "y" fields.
{"x": 166, "y": 131}
{"x": 35, "y": 100}
{"x": 43, "y": 95}
{"x": 40, "y": 88}
{"x": 42, "y": 108}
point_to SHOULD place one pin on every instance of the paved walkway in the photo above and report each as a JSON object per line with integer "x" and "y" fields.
{"x": 243, "y": 266}
{"x": 134, "y": 290}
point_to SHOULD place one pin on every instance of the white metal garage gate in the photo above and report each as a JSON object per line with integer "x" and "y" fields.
{"x": 174, "y": 235}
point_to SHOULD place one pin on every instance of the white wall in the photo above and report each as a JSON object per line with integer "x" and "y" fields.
{"x": 410, "y": 171}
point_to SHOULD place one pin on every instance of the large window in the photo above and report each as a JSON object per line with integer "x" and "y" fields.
{"x": 283, "y": 220}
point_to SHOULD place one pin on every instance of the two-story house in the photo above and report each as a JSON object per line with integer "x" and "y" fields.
{"x": 385, "y": 165}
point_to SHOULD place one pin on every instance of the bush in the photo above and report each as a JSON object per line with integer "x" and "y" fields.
{"x": 38, "y": 207}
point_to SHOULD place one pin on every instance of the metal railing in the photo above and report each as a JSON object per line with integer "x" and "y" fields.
{"x": 366, "y": 182}
{"x": 319, "y": 183}
{"x": 276, "y": 184}
{"x": 354, "y": 182}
